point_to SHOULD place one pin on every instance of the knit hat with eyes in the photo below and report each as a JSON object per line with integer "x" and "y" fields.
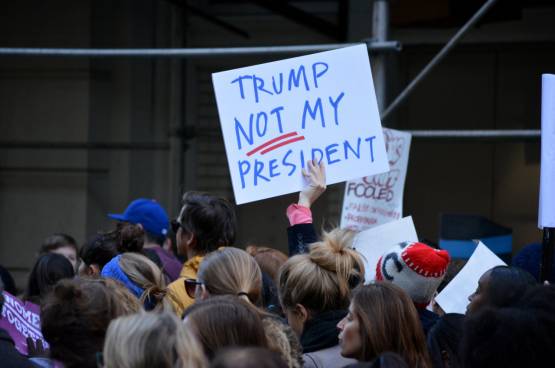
{"x": 416, "y": 268}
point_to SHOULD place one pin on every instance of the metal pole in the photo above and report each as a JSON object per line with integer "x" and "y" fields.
{"x": 189, "y": 52}
{"x": 436, "y": 59}
{"x": 435, "y": 135}
{"x": 548, "y": 246}
{"x": 476, "y": 134}
{"x": 380, "y": 33}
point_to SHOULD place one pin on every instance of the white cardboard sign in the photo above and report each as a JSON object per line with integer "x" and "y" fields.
{"x": 378, "y": 199}
{"x": 546, "y": 214}
{"x": 454, "y": 297}
{"x": 277, "y": 116}
{"x": 374, "y": 242}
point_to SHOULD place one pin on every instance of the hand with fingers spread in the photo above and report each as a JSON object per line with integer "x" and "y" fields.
{"x": 315, "y": 174}
{"x": 36, "y": 348}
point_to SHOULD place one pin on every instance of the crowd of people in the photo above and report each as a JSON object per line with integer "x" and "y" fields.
{"x": 131, "y": 298}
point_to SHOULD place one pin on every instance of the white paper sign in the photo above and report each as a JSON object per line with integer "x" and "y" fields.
{"x": 374, "y": 242}
{"x": 454, "y": 297}
{"x": 546, "y": 214}
{"x": 277, "y": 116}
{"x": 378, "y": 199}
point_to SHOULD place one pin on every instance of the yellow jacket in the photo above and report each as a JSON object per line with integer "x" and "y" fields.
{"x": 180, "y": 300}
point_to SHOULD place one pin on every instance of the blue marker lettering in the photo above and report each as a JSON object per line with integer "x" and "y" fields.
{"x": 347, "y": 147}
{"x": 278, "y": 115}
{"x": 317, "y": 74}
{"x": 261, "y": 114}
{"x": 334, "y": 104}
{"x": 317, "y": 106}
{"x": 287, "y": 163}
{"x": 240, "y": 80}
{"x": 294, "y": 79}
{"x": 370, "y": 139}
{"x": 239, "y": 128}
{"x": 258, "y": 167}
{"x": 259, "y": 86}
{"x": 314, "y": 150}
{"x": 330, "y": 150}
{"x": 243, "y": 171}
{"x": 276, "y": 91}
{"x": 273, "y": 167}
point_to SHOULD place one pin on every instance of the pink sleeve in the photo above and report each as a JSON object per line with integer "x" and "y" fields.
{"x": 298, "y": 214}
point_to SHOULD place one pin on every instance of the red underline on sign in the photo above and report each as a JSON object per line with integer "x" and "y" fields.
{"x": 271, "y": 141}
{"x": 281, "y": 144}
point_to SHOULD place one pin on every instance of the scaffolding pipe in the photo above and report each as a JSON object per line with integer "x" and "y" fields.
{"x": 190, "y": 52}
{"x": 380, "y": 33}
{"x": 463, "y": 135}
{"x": 438, "y": 58}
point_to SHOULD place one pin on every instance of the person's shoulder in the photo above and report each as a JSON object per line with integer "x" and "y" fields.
{"x": 326, "y": 358}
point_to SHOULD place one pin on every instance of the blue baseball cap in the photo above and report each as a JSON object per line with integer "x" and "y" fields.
{"x": 148, "y": 213}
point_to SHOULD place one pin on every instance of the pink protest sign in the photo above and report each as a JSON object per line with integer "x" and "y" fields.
{"x": 21, "y": 320}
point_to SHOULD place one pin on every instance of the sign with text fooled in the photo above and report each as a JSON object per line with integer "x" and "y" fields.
{"x": 277, "y": 116}
{"x": 21, "y": 320}
{"x": 378, "y": 199}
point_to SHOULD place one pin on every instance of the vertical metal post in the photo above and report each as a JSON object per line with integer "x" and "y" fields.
{"x": 380, "y": 32}
{"x": 548, "y": 246}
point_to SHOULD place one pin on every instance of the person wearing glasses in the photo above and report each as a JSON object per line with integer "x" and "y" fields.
{"x": 205, "y": 223}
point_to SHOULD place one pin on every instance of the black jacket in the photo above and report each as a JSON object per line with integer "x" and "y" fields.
{"x": 9, "y": 356}
{"x": 300, "y": 237}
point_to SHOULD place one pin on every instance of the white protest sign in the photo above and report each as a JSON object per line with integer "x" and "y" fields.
{"x": 277, "y": 116}
{"x": 546, "y": 214}
{"x": 374, "y": 242}
{"x": 454, "y": 297}
{"x": 378, "y": 199}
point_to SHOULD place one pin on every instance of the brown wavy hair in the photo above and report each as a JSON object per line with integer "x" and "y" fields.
{"x": 388, "y": 321}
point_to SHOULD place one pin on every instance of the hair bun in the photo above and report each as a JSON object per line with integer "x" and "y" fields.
{"x": 131, "y": 238}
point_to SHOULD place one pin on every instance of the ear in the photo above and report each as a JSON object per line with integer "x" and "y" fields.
{"x": 203, "y": 293}
{"x": 93, "y": 270}
{"x": 302, "y": 313}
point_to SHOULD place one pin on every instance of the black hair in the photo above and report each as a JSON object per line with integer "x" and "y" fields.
{"x": 522, "y": 335}
{"x": 211, "y": 219}
{"x": 8, "y": 281}
{"x": 98, "y": 250}
{"x": 270, "y": 295}
{"x": 57, "y": 240}
{"x": 153, "y": 238}
{"x": 444, "y": 339}
{"x": 47, "y": 271}
{"x": 507, "y": 285}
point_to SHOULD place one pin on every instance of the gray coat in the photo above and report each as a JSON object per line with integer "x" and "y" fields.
{"x": 326, "y": 358}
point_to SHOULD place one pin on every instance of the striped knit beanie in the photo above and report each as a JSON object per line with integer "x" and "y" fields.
{"x": 416, "y": 268}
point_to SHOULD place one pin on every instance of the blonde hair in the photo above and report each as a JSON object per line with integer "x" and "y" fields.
{"x": 129, "y": 303}
{"x": 322, "y": 279}
{"x": 231, "y": 271}
{"x": 151, "y": 340}
{"x": 146, "y": 275}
